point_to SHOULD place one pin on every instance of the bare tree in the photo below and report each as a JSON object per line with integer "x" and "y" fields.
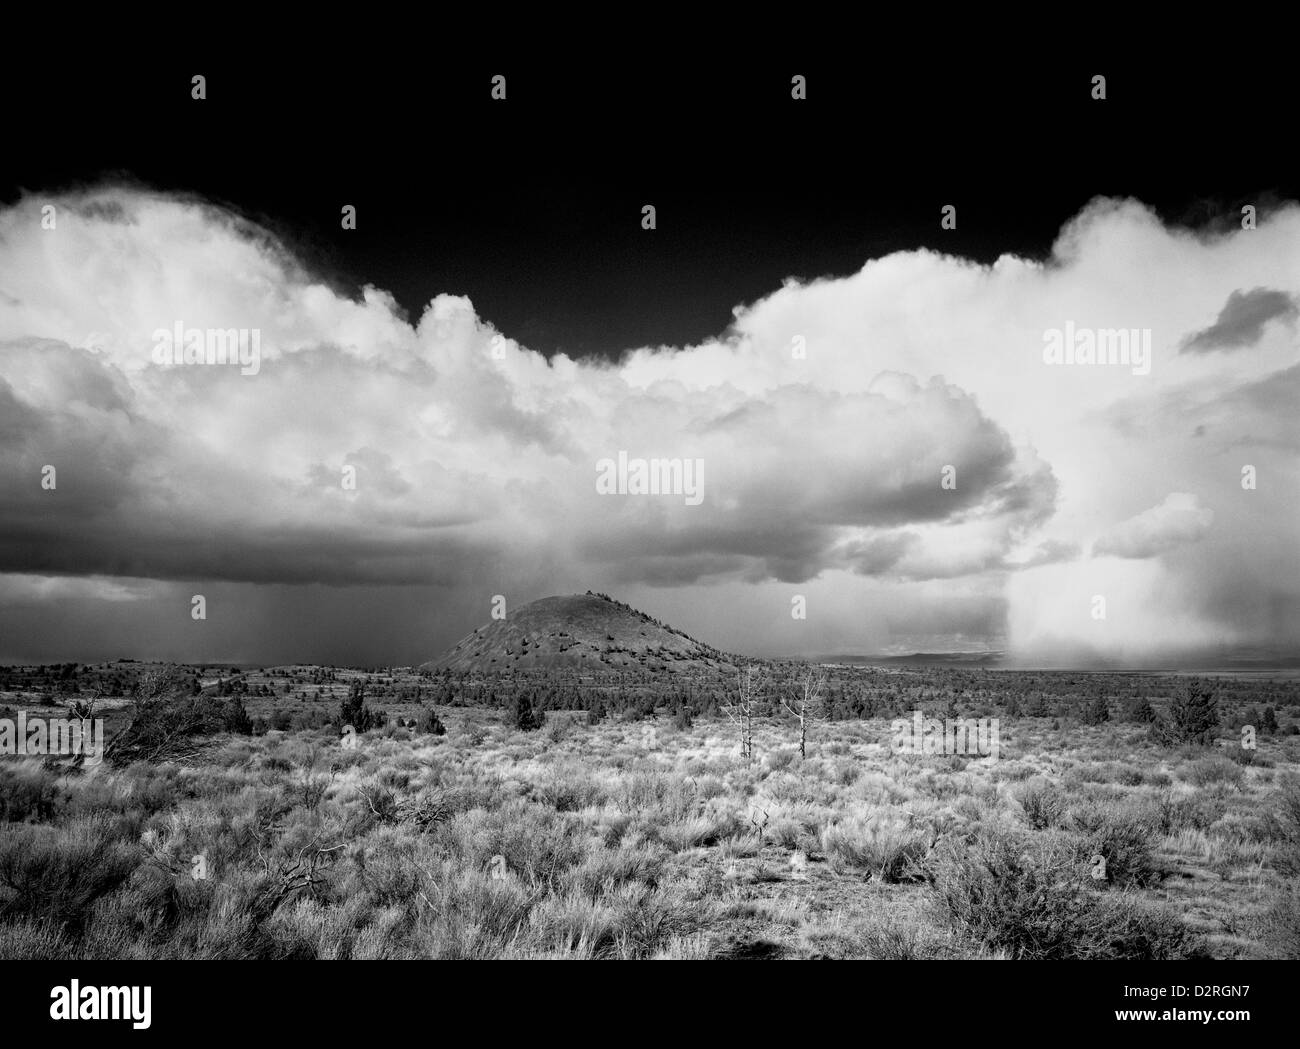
{"x": 806, "y": 702}
{"x": 740, "y": 708}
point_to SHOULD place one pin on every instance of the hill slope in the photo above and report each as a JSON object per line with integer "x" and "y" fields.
{"x": 586, "y": 631}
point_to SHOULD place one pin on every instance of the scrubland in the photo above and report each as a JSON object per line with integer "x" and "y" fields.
{"x": 640, "y": 839}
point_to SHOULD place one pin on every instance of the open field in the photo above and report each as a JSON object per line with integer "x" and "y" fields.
{"x": 631, "y": 836}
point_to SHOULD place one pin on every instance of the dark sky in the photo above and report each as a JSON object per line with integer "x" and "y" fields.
{"x": 532, "y": 207}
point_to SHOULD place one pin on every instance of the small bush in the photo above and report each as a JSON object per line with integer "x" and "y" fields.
{"x": 1206, "y": 772}
{"x": 1043, "y": 804}
{"x": 1123, "y": 842}
{"x": 888, "y": 851}
{"x": 777, "y": 760}
{"x": 1025, "y": 897}
{"x": 430, "y": 722}
{"x": 1176, "y": 814}
{"x": 1139, "y": 711}
{"x": 58, "y": 873}
{"x": 25, "y": 796}
{"x": 1281, "y": 924}
{"x": 1095, "y": 711}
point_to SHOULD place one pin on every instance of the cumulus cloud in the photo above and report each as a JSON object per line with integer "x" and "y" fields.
{"x": 475, "y": 459}
{"x": 1241, "y": 321}
{"x": 1178, "y": 520}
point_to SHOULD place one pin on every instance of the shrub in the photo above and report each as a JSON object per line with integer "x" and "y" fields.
{"x": 28, "y": 795}
{"x": 1024, "y": 896}
{"x": 1287, "y": 822}
{"x": 1123, "y": 842}
{"x": 1139, "y": 711}
{"x": 1281, "y": 924}
{"x": 1175, "y": 814}
{"x": 1043, "y": 804}
{"x": 430, "y": 722}
{"x": 888, "y": 851}
{"x": 1010, "y": 895}
{"x": 1207, "y": 771}
{"x": 167, "y": 722}
{"x": 58, "y": 873}
{"x": 426, "y": 810}
{"x": 777, "y": 760}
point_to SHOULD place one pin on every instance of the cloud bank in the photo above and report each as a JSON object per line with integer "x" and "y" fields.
{"x": 889, "y": 444}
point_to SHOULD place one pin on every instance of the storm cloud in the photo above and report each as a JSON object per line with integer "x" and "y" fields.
{"x": 888, "y": 439}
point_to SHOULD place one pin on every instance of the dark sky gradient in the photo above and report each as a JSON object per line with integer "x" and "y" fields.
{"x": 532, "y": 207}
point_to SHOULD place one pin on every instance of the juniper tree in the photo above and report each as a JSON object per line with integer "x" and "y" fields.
{"x": 1194, "y": 713}
{"x": 526, "y": 715}
{"x": 1095, "y": 711}
{"x": 353, "y": 710}
{"x": 1139, "y": 710}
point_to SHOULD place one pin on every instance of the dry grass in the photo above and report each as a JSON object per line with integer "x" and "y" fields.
{"x": 606, "y": 841}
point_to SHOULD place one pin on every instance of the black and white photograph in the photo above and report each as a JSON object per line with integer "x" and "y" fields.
{"x": 642, "y": 509}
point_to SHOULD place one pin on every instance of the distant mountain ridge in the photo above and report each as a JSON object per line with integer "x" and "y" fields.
{"x": 583, "y": 631}
{"x": 922, "y": 659}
